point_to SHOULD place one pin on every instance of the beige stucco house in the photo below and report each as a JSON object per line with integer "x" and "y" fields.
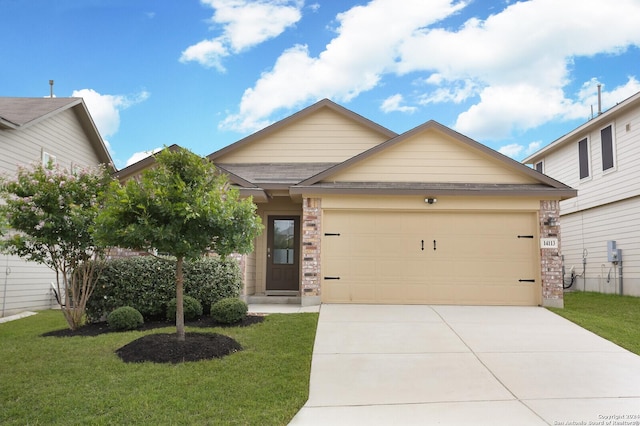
{"x": 355, "y": 213}
{"x": 33, "y": 130}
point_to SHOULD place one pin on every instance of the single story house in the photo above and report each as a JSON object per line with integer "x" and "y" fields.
{"x": 355, "y": 213}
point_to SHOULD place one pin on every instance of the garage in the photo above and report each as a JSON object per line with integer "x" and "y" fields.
{"x": 436, "y": 257}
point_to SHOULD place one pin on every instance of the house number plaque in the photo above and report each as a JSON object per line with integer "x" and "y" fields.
{"x": 549, "y": 243}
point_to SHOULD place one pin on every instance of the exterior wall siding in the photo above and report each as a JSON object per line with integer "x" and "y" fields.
{"x": 585, "y": 236}
{"x": 430, "y": 157}
{"x": 606, "y": 208}
{"x": 325, "y": 136}
{"x": 27, "y": 285}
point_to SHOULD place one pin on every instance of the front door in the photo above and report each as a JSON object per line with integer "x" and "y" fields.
{"x": 283, "y": 253}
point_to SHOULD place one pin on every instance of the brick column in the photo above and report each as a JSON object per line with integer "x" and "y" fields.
{"x": 311, "y": 228}
{"x": 550, "y": 259}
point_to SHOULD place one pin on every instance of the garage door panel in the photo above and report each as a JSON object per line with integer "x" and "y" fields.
{"x": 389, "y": 257}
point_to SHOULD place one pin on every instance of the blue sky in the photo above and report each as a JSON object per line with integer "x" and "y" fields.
{"x": 205, "y": 73}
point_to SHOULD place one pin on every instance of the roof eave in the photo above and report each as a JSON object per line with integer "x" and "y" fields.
{"x": 551, "y": 193}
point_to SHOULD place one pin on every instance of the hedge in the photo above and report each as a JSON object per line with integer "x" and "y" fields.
{"x": 147, "y": 284}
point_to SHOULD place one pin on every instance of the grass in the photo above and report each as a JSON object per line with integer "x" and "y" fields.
{"x": 616, "y": 318}
{"x": 80, "y": 380}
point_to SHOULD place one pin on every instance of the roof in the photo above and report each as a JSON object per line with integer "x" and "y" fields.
{"x": 21, "y": 113}
{"x": 275, "y": 174}
{"x": 325, "y": 103}
{"x": 137, "y": 167}
{"x": 594, "y": 123}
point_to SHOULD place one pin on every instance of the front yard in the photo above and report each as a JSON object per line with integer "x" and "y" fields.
{"x": 80, "y": 380}
{"x": 616, "y": 318}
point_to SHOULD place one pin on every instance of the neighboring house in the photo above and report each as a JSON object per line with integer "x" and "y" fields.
{"x": 600, "y": 159}
{"x": 41, "y": 130}
{"x": 355, "y": 213}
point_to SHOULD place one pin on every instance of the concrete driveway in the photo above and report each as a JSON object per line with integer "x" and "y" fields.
{"x": 465, "y": 365}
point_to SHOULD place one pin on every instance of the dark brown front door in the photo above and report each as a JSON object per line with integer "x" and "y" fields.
{"x": 283, "y": 253}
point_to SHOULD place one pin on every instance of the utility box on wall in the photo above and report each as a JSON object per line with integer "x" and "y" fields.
{"x": 614, "y": 254}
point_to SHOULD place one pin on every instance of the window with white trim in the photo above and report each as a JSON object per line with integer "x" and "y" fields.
{"x": 48, "y": 159}
{"x": 607, "y": 144}
{"x": 539, "y": 166}
{"x": 583, "y": 158}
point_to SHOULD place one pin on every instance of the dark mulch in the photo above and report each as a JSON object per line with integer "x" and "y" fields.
{"x": 165, "y": 348}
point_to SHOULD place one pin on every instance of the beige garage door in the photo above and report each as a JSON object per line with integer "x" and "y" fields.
{"x": 430, "y": 258}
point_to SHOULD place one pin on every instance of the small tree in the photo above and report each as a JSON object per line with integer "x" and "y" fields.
{"x": 181, "y": 207}
{"x": 48, "y": 212}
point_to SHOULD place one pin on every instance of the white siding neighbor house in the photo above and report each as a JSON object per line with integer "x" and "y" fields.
{"x": 601, "y": 226}
{"x": 32, "y": 130}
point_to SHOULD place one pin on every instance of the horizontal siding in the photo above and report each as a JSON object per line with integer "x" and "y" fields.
{"x": 61, "y": 135}
{"x": 601, "y": 187}
{"x": 28, "y": 286}
{"x": 325, "y": 136}
{"x": 430, "y": 157}
{"x": 590, "y": 230}
{"x": 24, "y": 286}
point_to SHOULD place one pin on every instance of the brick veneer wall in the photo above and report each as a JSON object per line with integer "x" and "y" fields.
{"x": 311, "y": 229}
{"x": 551, "y": 260}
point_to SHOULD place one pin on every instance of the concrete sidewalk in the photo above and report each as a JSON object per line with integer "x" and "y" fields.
{"x": 465, "y": 365}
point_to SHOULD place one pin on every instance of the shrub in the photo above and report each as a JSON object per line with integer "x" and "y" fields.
{"x": 192, "y": 308}
{"x": 212, "y": 279}
{"x": 148, "y": 284}
{"x": 125, "y": 318}
{"x": 229, "y": 311}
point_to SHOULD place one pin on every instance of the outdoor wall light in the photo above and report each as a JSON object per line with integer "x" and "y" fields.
{"x": 551, "y": 222}
{"x": 430, "y": 200}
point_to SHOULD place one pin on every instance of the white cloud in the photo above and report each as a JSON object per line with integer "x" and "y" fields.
{"x": 105, "y": 109}
{"x": 353, "y": 62}
{"x": 393, "y": 103}
{"x": 245, "y": 24}
{"x": 137, "y": 156}
{"x": 512, "y": 68}
{"x": 517, "y": 151}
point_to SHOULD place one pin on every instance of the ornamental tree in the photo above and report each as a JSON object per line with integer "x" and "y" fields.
{"x": 48, "y": 212}
{"x": 182, "y": 207}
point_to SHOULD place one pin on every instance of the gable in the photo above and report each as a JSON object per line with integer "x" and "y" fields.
{"x": 431, "y": 156}
{"x": 323, "y": 136}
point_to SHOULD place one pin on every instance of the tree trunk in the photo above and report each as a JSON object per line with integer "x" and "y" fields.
{"x": 179, "y": 300}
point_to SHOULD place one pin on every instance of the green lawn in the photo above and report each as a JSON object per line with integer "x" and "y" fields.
{"x": 616, "y": 318}
{"x": 80, "y": 380}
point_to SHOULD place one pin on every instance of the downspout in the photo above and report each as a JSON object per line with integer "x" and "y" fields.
{"x": 7, "y": 272}
{"x": 620, "y": 274}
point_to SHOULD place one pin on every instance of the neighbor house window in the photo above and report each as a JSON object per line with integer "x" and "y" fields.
{"x": 539, "y": 167}
{"x": 606, "y": 138}
{"x": 583, "y": 156}
{"x": 48, "y": 159}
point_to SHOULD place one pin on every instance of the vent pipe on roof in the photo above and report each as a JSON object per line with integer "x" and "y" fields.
{"x": 599, "y": 99}
{"x": 51, "y": 89}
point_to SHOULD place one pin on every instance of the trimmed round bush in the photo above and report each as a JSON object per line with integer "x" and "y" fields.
{"x": 125, "y": 318}
{"x": 192, "y": 308}
{"x": 229, "y": 311}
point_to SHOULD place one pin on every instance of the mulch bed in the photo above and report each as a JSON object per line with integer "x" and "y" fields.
{"x": 164, "y": 347}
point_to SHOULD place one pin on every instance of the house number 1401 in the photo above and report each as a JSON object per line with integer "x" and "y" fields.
{"x": 549, "y": 243}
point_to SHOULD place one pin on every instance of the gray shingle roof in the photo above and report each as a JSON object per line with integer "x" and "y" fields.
{"x": 275, "y": 173}
{"x": 18, "y": 112}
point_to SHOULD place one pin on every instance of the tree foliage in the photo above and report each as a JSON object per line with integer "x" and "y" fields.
{"x": 49, "y": 212}
{"x": 182, "y": 207}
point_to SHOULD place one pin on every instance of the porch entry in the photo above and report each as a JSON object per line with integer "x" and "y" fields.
{"x": 283, "y": 255}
